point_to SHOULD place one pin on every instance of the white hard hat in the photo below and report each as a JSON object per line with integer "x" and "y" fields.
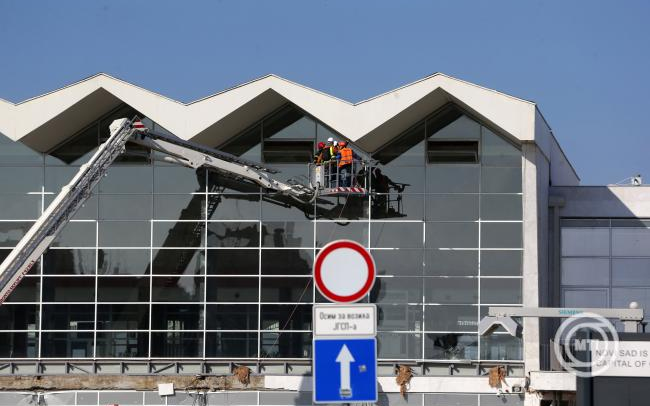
{"x": 336, "y": 143}
{"x": 330, "y": 139}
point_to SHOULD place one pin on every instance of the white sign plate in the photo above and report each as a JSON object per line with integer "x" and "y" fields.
{"x": 345, "y": 320}
{"x": 631, "y": 358}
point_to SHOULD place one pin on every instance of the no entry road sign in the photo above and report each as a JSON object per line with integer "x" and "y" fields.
{"x": 344, "y": 271}
{"x": 345, "y": 370}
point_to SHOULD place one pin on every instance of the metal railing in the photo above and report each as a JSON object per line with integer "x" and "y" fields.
{"x": 332, "y": 175}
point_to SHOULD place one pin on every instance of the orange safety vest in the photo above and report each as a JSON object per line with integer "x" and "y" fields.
{"x": 346, "y": 157}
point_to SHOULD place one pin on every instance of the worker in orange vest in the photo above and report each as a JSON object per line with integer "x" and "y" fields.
{"x": 345, "y": 157}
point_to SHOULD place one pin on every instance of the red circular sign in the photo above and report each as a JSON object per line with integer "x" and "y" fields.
{"x": 344, "y": 271}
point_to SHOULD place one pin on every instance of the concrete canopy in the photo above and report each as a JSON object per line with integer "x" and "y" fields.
{"x": 46, "y": 120}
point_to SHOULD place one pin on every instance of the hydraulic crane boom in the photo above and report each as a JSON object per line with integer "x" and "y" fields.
{"x": 78, "y": 190}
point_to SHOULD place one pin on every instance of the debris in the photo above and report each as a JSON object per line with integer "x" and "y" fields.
{"x": 243, "y": 374}
{"x": 403, "y": 379}
{"x": 496, "y": 375}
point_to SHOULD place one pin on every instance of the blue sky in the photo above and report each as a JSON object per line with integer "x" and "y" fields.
{"x": 585, "y": 62}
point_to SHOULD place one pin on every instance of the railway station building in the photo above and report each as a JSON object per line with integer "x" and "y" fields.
{"x": 169, "y": 274}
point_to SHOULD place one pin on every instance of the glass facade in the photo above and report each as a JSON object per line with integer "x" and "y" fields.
{"x": 168, "y": 262}
{"x": 605, "y": 262}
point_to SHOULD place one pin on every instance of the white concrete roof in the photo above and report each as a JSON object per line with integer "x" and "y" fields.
{"x": 44, "y": 121}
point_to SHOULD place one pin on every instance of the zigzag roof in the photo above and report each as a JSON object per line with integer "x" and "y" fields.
{"x": 45, "y": 121}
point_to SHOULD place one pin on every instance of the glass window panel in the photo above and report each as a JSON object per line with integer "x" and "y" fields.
{"x": 501, "y": 263}
{"x": 21, "y": 179}
{"x": 69, "y": 262}
{"x": 233, "y": 262}
{"x": 178, "y": 179}
{"x": 396, "y": 235}
{"x": 20, "y": 206}
{"x": 501, "y": 207}
{"x": 186, "y": 262}
{"x": 286, "y": 317}
{"x": 501, "y": 235}
{"x": 342, "y": 207}
{"x": 68, "y": 289}
{"x": 289, "y": 123}
{"x": 585, "y": 241}
{"x": 399, "y": 317}
{"x": 451, "y": 318}
{"x": 398, "y": 262}
{"x": 19, "y": 345}
{"x": 35, "y": 267}
{"x": 177, "y": 289}
{"x": 235, "y": 207}
{"x": 123, "y": 261}
{"x": 286, "y": 290}
{"x": 28, "y": 290}
{"x": 231, "y": 289}
{"x": 407, "y": 149}
{"x": 76, "y": 150}
{"x": 177, "y": 344}
{"x": 287, "y": 262}
{"x": 15, "y": 152}
{"x": 179, "y": 207}
{"x": 233, "y": 234}
{"x": 451, "y": 263}
{"x": 124, "y": 207}
{"x": 452, "y": 207}
{"x": 123, "y": 344}
{"x": 127, "y": 179}
{"x": 58, "y": 176}
{"x": 177, "y": 317}
{"x": 231, "y": 345}
{"x": 585, "y": 271}
{"x": 449, "y": 124}
{"x": 18, "y": 317}
{"x": 445, "y": 346}
{"x": 124, "y": 234}
{"x": 286, "y": 345}
{"x": 501, "y": 291}
{"x": 68, "y": 317}
{"x": 122, "y": 289}
{"x": 122, "y": 316}
{"x": 630, "y": 241}
{"x": 393, "y": 178}
{"x": 288, "y": 151}
{"x": 67, "y": 345}
{"x": 586, "y": 298}
{"x": 452, "y": 235}
{"x": 501, "y": 347}
{"x": 457, "y": 178}
{"x": 169, "y": 234}
{"x": 288, "y": 234}
{"x": 397, "y": 290}
{"x": 630, "y": 271}
{"x": 399, "y": 346}
{"x": 247, "y": 145}
{"x": 12, "y": 231}
{"x": 280, "y": 208}
{"x": 496, "y": 151}
{"x": 452, "y": 152}
{"x": 231, "y": 317}
{"x": 327, "y": 232}
{"x": 500, "y": 180}
{"x": 451, "y": 290}
{"x": 87, "y": 398}
{"x": 76, "y": 234}
{"x": 396, "y": 206}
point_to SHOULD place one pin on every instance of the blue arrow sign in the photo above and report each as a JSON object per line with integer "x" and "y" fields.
{"x": 345, "y": 370}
